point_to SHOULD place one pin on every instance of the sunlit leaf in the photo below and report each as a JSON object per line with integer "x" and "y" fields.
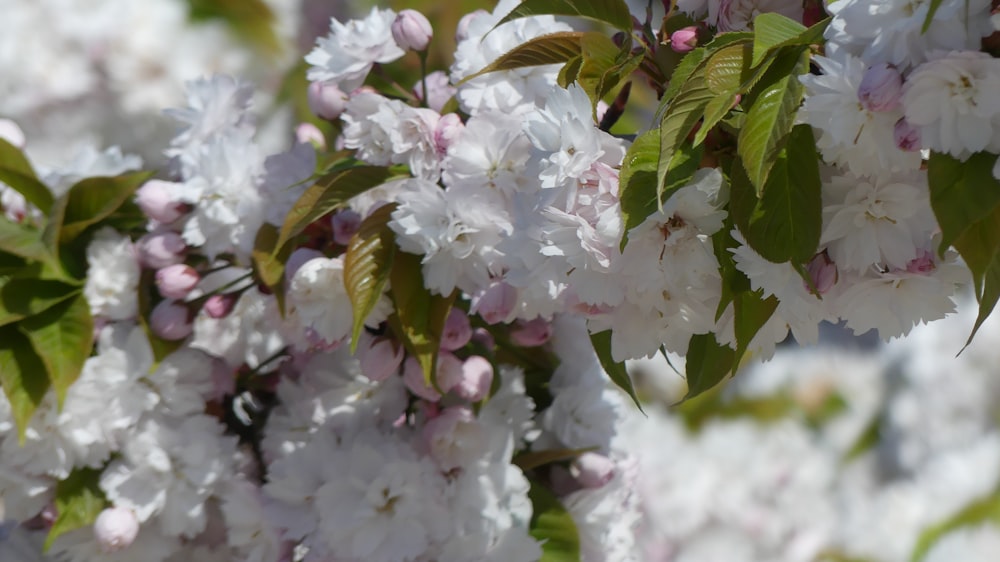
{"x": 23, "y": 376}
{"x": 419, "y": 315}
{"x": 613, "y": 12}
{"x": 62, "y": 336}
{"x": 552, "y": 48}
{"x": 367, "y": 264}
{"x": 79, "y": 500}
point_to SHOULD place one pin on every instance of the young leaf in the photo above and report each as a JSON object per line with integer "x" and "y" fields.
{"x": 708, "y": 362}
{"x": 979, "y": 246}
{"x": 329, "y": 193}
{"x": 604, "y": 65}
{"x": 553, "y": 526}
{"x": 420, "y": 315}
{"x": 552, "y": 48}
{"x": 23, "y": 297}
{"x": 688, "y": 65}
{"x": 92, "y": 200}
{"x": 22, "y": 376}
{"x": 770, "y": 120}
{"x": 16, "y": 171}
{"x": 983, "y": 511}
{"x": 680, "y": 118}
{"x": 24, "y": 242}
{"x": 770, "y": 29}
{"x": 367, "y": 264}
{"x": 615, "y": 369}
{"x": 569, "y": 71}
{"x": 269, "y": 261}
{"x": 613, "y": 12}
{"x": 79, "y": 500}
{"x": 62, "y": 336}
{"x": 962, "y": 193}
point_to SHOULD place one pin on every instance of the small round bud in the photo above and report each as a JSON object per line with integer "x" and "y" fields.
{"x": 457, "y": 330}
{"x": 907, "y": 136}
{"x": 477, "y": 377}
{"x": 684, "y": 40}
{"x": 411, "y": 30}
{"x": 532, "y": 333}
{"x": 379, "y": 357}
{"x": 326, "y": 100}
{"x": 881, "y": 88}
{"x": 496, "y": 303}
{"x": 176, "y": 281}
{"x": 593, "y": 470}
{"x": 156, "y": 199}
{"x": 309, "y": 133}
{"x": 170, "y": 321}
{"x": 116, "y": 529}
{"x": 345, "y": 225}
{"x": 160, "y": 249}
{"x": 823, "y": 273}
{"x": 219, "y": 306}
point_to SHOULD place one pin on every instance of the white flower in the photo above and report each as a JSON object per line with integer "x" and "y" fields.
{"x": 112, "y": 276}
{"x": 492, "y": 151}
{"x": 347, "y": 54}
{"x": 215, "y": 106}
{"x": 318, "y": 300}
{"x": 952, "y": 99}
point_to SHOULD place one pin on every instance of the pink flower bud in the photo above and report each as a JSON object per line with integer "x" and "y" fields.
{"x": 176, "y": 281}
{"x": 345, "y": 225}
{"x": 477, "y": 377}
{"x": 881, "y": 88}
{"x": 593, "y": 470}
{"x": 449, "y": 374}
{"x": 439, "y": 90}
{"x": 462, "y": 29}
{"x": 156, "y": 199}
{"x": 411, "y": 30}
{"x": 457, "y": 330}
{"x": 483, "y": 337}
{"x": 447, "y": 130}
{"x": 823, "y": 272}
{"x": 309, "y": 133}
{"x": 379, "y": 357}
{"x": 532, "y": 333}
{"x": 170, "y": 320}
{"x": 115, "y": 529}
{"x": 160, "y": 249}
{"x": 12, "y": 133}
{"x": 684, "y": 40}
{"x": 219, "y": 306}
{"x": 907, "y": 136}
{"x": 923, "y": 264}
{"x": 326, "y": 100}
{"x": 496, "y": 303}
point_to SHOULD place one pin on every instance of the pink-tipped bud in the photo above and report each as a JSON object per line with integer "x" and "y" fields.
{"x": 823, "y": 273}
{"x": 160, "y": 249}
{"x": 462, "y": 29}
{"x": 309, "y": 133}
{"x": 219, "y": 306}
{"x": 116, "y": 529}
{"x": 496, "y": 303}
{"x": 593, "y": 470}
{"x": 907, "y": 136}
{"x": 411, "y": 30}
{"x": 532, "y": 333}
{"x": 176, "y": 281}
{"x": 684, "y": 40}
{"x": 379, "y": 357}
{"x": 439, "y": 90}
{"x": 170, "y": 320}
{"x": 12, "y": 133}
{"x": 345, "y": 225}
{"x": 477, "y": 377}
{"x": 457, "y": 330}
{"x": 881, "y": 88}
{"x": 326, "y": 100}
{"x": 157, "y": 201}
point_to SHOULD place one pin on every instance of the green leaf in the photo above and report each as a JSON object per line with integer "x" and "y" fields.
{"x": 92, "y": 200}
{"x": 16, "y": 171}
{"x": 420, "y": 315}
{"x": 328, "y": 194}
{"x": 62, "y": 336}
{"x": 784, "y": 223}
{"x": 708, "y": 362}
{"x": 750, "y": 312}
{"x": 931, "y": 11}
{"x": 771, "y": 29}
{"x": 25, "y": 242}
{"x": 615, "y": 369}
{"x": 613, "y": 12}
{"x": 983, "y": 510}
{"x": 688, "y": 65}
{"x": 679, "y": 120}
{"x": 533, "y": 459}
{"x": 367, "y": 263}
{"x": 79, "y": 500}
{"x": 22, "y": 376}
{"x": 269, "y": 261}
{"x": 979, "y": 246}
{"x": 252, "y": 20}
{"x": 23, "y": 297}
{"x": 553, "y": 526}
{"x": 962, "y": 193}
{"x": 604, "y": 65}
{"x": 770, "y": 120}
{"x": 552, "y": 48}
{"x": 569, "y": 71}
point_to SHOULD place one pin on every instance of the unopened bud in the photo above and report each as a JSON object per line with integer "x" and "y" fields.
{"x": 307, "y": 132}
{"x": 457, "y": 330}
{"x": 477, "y": 377}
{"x": 176, "y": 281}
{"x": 156, "y": 199}
{"x": 379, "y": 357}
{"x": 160, "y": 249}
{"x": 593, "y": 470}
{"x": 116, "y": 529}
{"x": 411, "y": 30}
{"x": 345, "y": 225}
{"x": 496, "y": 303}
{"x": 532, "y": 333}
{"x": 823, "y": 273}
{"x": 907, "y": 136}
{"x": 684, "y": 40}
{"x": 170, "y": 320}
{"x": 219, "y": 306}
{"x": 881, "y": 88}
{"x": 326, "y": 100}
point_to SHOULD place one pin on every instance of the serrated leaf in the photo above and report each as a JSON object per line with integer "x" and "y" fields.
{"x": 533, "y": 459}
{"x": 613, "y": 12}
{"x": 615, "y": 369}
{"x": 769, "y": 121}
{"x": 22, "y": 376}
{"x": 552, "y": 525}
{"x": 785, "y": 222}
{"x": 79, "y": 500}
{"x": 552, "y": 48}
{"x": 367, "y": 263}
{"x": 770, "y": 29}
{"x": 16, "y": 172}
{"x": 419, "y": 315}
{"x": 604, "y": 65}
{"x": 979, "y": 246}
{"x": 688, "y": 65}
{"x": 962, "y": 193}
{"x": 328, "y": 194}
{"x": 92, "y": 200}
{"x": 707, "y": 363}
{"x": 679, "y": 120}
{"x": 62, "y": 336}
{"x": 23, "y": 297}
